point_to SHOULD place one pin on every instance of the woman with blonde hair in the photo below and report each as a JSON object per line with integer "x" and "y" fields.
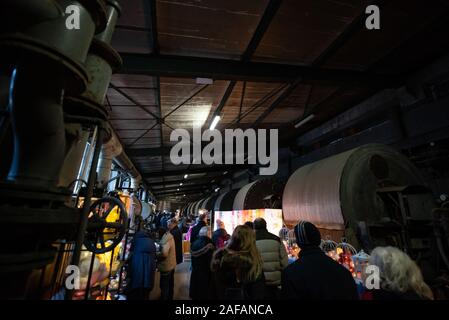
{"x": 400, "y": 276}
{"x": 237, "y": 268}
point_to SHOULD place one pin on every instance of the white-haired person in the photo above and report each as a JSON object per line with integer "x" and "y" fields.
{"x": 201, "y": 254}
{"x": 399, "y": 277}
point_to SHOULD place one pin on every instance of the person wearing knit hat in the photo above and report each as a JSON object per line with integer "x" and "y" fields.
{"x": 307, "y": 234}
{"x": 315, "y": 276}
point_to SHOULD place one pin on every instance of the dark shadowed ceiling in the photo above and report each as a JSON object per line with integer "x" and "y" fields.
{"x": 273, "y": 63}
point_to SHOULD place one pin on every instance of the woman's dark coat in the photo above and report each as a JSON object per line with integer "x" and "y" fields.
{"x": 142, "y": 264}
{"x": 200, "y": 278}
{"x": 219, "y": 237}
{"x": 177, "y": 236}
{"x": 225, "y": 285}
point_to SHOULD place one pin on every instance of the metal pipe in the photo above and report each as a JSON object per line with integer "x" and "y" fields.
{"x": 109, "y": 151}
{"x": 74, "y": 157}
{"x": 38, "y": 126}
{"x": 113, "y": 12}
{"x": 87, "y": 201}
{"x": 89, "y": 276}
{"x": 120, "y": 279}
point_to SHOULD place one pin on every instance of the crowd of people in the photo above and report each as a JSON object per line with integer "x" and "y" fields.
{"x": 252, "y": 264}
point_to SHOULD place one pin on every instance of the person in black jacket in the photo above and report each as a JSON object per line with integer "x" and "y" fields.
{"x": 315, "y": 276}
{"x": 142, "y": 267}
{"x": 237, "y": 272}
{"x": 196, "y": 229}
{"x": 220, "y": 236}
{"x": 200, "y": 278}
{"x": 157, "y": 219}
{"x": 177, "y": 236}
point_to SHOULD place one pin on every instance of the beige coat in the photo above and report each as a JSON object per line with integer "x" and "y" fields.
{"x": 168, "y": 253}
{"x": 274, "y": 256}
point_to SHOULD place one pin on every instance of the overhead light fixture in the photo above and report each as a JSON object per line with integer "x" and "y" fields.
{"x": 184, "y": 195}
{"x": 217, "y": 189}
{"x": 177, "y": 189}
{"x": 180, "y": 184}
{"x": 185, "y": 176}
{"x": 214, "y": 122}
{"x": 304, "y": 121}
{"x": 204, "y": 81}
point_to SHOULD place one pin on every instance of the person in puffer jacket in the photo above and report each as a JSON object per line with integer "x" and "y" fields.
{"x": 274, "y": 258}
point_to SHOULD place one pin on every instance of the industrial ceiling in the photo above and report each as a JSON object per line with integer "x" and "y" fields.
{"x": 273, "y": 63}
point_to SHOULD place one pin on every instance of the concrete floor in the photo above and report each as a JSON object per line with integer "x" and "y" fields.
{"x": 182, "y": 281}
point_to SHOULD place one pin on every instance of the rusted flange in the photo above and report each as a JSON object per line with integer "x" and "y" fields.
{"x": 84, "y": 106}
{"x": 108, "y": 53}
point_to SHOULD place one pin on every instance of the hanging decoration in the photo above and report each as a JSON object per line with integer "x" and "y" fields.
{"x": 345, "y": 252}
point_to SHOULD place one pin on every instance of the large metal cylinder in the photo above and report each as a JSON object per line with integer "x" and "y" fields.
{"x": 45, "y": 47}
{"x": 102, "y": 59}
{"x": 340, "y": 191}
{"x": 38, "y": 126}
{"x": 113, "y": 11}
{"x": 198, "y": 206}
{"x": 252, "y": 195}
{"x": 209, "y": 202}
{"x": 192, "y": 209}
{"x": 74, "y": 156}
{"x": 225, "y": 201}
{"x": 109, "y": 150}
{"x": 188, "y": 209}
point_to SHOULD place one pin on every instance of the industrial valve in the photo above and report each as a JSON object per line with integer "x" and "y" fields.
{"x": 106, "y": 225}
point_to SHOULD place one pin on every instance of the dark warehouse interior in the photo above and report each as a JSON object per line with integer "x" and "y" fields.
{"x": 95, "y": 96}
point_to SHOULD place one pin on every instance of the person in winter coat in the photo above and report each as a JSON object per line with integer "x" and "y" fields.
{"x": 142, "y": 267}
{"x": 201, "y": 253}
{"x": 400, "y": 277}
{"x": 315, "y": 276}
{"x": 274, "y": 257}
{"x": 157, "y": 219}
{"x": 196, "y": 229}
{"x": 237, "y": 268}
{"x": 177, "y": 236}
{"x": 249, "y": 224}
{"x": 164, "y": 220}
{"x": 220, "y": 235}
{"x": 167, "y": 265}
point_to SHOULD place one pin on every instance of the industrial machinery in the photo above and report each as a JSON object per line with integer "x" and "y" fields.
{"x": 372, "y": 195}
{"x": 48, "y": 124}
{"x": 225, "y": 200}
{"x": 254, "y": 195}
